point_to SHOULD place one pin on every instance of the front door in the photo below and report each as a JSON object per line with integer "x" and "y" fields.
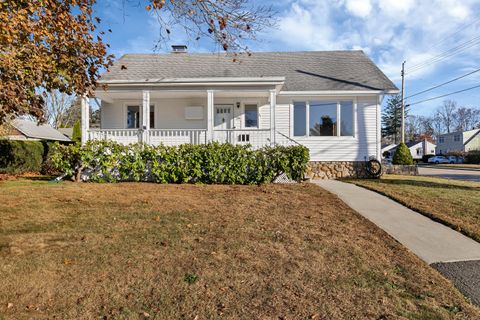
{"x": 223, "y": 117}
{"x": 222, "y": 122}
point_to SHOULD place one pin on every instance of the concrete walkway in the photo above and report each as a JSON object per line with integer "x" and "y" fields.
{"x": 431, "y": 241}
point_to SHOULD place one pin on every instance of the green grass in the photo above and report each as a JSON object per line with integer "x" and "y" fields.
{"x": 452, "y": 202}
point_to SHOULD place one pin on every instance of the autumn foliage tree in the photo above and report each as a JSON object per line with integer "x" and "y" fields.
{"x": 48, "y": 45}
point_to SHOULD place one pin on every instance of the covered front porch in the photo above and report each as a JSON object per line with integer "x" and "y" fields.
{"x": 238, "y": 113}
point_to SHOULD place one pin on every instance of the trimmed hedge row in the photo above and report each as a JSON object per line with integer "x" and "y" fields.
{"x": 21, "y": 156}
{"x": 213, "y": 163}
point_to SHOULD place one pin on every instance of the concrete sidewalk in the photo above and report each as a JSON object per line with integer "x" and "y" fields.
{"x": 431, "y": 241}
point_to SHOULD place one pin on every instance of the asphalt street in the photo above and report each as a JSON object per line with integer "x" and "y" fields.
{"x": 469, "y": 175}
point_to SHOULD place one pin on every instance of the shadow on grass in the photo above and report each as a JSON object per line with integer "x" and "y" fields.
{"x": 39, "y": 178}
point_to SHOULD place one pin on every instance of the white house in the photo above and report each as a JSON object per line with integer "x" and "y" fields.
{"x": 417, "y": 149}
{"x": 459, "y": 141}
{"x": 328, "y": 101}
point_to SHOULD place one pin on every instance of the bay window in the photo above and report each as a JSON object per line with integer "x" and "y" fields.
{"x": 323, "y": 118}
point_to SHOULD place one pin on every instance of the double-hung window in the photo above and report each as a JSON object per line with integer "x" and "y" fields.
{"x": 323, "y": 118}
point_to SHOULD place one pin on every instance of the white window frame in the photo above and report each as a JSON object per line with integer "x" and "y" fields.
{"x": 339, "y": 117}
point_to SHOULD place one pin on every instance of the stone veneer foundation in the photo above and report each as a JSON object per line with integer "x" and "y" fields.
{"x": 336, "y": 169}
{"x": 351, "y": 169}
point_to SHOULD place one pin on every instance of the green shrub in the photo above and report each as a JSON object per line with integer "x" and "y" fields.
{"x": 77, "y": 132}
{"x": 107, "y": 161}
{"x": 472, "y": 157}
{"x": 402, "y": 155}
{"x": 21, "y": 156}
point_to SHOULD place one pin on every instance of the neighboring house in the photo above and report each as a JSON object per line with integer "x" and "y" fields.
{"x": 328, "y": 101}
{"x": 458, "y": 141}
{"x": 388, "y": 148}
{"x": 417, "y": 148}
{"x": 29, "y": 130}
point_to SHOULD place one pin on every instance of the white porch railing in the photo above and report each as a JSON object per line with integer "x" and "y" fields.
{"x": 123, "y": 136}
{"x": 175, "y": 137}
{"x": 256, "y": 137}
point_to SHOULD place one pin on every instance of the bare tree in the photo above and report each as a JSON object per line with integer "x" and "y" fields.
{"x": 413, "y": 128}
{"x": 427, "y": 125}
{"x": 229, "y": 23}
{"x": 467, "y": 118}
{"x": 446, "y": 113}
{"x": 59, "y": 112}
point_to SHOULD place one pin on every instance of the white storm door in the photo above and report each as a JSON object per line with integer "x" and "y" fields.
{"x": 223, "y": 117}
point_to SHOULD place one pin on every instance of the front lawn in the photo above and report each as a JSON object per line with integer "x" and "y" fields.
{"x": 455, "y": 203}
{"x": 133, "y": 250}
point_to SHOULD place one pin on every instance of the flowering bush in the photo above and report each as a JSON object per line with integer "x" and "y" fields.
{"x": 106, "y": 161}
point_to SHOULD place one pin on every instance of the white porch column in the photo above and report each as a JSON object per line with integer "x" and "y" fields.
{"x": 273, "y": 103}
{"x": 85, "y": 109}
{"x": 210, "y": 106}
{"x": 145, "y": 115}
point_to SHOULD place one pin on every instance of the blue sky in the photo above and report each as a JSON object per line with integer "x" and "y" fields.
{"x": 388, "y": 31}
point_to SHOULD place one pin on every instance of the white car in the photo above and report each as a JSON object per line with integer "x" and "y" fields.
{"x": 438, "y": 159}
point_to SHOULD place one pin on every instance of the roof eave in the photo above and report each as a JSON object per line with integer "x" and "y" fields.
{"x": 196, "y": 81}
{"x": 338, "y": 92}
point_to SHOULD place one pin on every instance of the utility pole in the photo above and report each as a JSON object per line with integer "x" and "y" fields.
{"x": 403, "y": 102}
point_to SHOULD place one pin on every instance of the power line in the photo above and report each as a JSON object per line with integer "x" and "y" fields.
{"x": 465, "y": 26}
{"x": 444, "y": 95}
{"x": 442, "y": 84}
{"x": 446, "y": 54}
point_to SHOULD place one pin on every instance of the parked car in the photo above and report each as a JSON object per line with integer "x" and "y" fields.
{"x": 455, "y": 159}
{"x": 438, "y": 159}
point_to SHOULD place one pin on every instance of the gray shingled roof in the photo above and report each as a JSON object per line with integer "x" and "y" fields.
{"x": 43, "y": 131}
{"x": 304, "y": 71}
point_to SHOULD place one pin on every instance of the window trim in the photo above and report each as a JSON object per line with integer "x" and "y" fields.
{"x": 336, "y": 100}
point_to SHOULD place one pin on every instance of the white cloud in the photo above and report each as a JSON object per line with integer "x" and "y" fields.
{"x": 359, "y": 8}
{"x": 396, "y": 7}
